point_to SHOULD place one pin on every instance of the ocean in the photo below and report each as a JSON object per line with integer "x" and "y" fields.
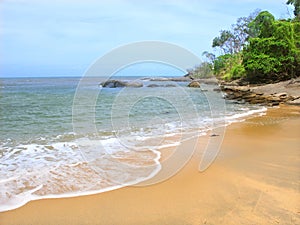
{"x": 61, "y": 140}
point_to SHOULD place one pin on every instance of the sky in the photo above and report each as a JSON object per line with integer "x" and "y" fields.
{"x": 62, "y": 38}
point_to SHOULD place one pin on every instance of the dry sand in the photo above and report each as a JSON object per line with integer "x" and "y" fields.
{"x": 254, "y": 180}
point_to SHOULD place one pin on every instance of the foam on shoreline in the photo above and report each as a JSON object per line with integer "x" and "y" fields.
{"x": 36, "y": 170}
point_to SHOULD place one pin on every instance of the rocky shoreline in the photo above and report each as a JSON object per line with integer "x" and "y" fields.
{"x": 287, "y": 92}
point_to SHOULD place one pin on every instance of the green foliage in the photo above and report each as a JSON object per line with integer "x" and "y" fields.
{"x": 232, "y": 41}
{"x": 273, "y": 55}
{"x": 225, "y": 41}
{"x": 204, "y": 70}
{"x": 220, "y": 63}
{"x": 238, "y": 71}
{"x": 262, "y": 25}
{"x": 260, "y": 49}
{"x": 229, "y": 67}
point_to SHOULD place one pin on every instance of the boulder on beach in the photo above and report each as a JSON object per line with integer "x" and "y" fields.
{"x": 194, "y": 84}
{"x": 121, "y": 83}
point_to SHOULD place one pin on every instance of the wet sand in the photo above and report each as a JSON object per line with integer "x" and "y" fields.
{"x": 254, "y": 180}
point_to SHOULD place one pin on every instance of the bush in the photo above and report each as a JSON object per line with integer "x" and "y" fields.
{"x": 274, "y": 58}
{"x": 229, "y": 67}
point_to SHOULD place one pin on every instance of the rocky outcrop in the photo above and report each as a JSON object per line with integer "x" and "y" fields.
{"x": 272, "y": 94}
{"x": 208, "y": 81}
{"x": 171, "y": 85}
{"x": 194, "y": 84}
{"x": 153, "y": 85}
{"x": 121, "y": 83}
{"x": 174, "y": 79}
{"x": 161, "y": 85}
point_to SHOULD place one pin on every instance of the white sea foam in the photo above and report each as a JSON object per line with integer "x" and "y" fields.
{"x": 35, "y": 171}
{"x": 83, "y": 165}
{"x": 246, "y": 113}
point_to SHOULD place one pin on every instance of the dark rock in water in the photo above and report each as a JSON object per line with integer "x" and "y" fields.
{"x": 194, "y": 84}
{"x": 175, "y": 79}
{"x": 134, "y": 84}
{"x": 153, "y": 85}
{"x": 120, "y": 83}
{"x": 171, "y": 85}
{"x": 157, "y": 85}
{"x": 145, "y": 78}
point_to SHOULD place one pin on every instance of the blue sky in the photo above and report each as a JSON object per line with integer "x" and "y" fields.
{"x": 62, "y": 38}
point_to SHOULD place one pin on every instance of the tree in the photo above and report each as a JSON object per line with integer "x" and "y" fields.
{"x": 204, "y": 70}
{"x": 296, "y": 4}
{"x": 209, "y": 56}
{"x": 274, "y": 54}
{"x": 262, "y": 25}
{"x": 224, "y": 41}
{"x": 241, "y": 29}
{"x": 232, "y": 41}
{"x": 229, "y": 65}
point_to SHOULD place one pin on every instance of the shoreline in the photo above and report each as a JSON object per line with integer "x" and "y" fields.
{"x": 189, "y": 197}
{"x": 163, "y": 152}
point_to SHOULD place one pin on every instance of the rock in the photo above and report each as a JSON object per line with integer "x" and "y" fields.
{"x": 153, "y": 85}
{"x": 294, "y": 82}
{"x": 145, "y": 78}
{"x": 208, "y": 81}
{"x": 250, "y": 95}
{"x": 175, "y": 79}
{"x": 194, "y": 84}
{"x": 257, "y": 101}
{"x": 281, "y": 95}
{"x": 217, "y": 89}
{"x": 120, "y": 83}
{"x": 294, "y": 102}
{"x": 108, "y": 84}
{"x": 171, "y": 85}
{"x": 254, "y": 96}
{"x": 135, "y": 84}
{"x": 157, "y": 85}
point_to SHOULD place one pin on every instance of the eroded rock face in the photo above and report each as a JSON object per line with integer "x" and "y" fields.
{"x": 194, "y": 84}
{"x": 121, "y": 83}
{"x": 254, "y": 97}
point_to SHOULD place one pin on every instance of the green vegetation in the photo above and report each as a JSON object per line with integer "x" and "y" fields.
{"x": 296, "y": 4}
{"x": 257, "y": 49}
{"x": 204, "y": 70}
{"x": 273, "y": 55}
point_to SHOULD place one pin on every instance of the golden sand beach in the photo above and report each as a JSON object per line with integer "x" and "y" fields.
{"x": 254, "y": 180}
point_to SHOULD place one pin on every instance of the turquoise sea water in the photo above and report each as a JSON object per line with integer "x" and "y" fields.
{"x": 47, "y": 146}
